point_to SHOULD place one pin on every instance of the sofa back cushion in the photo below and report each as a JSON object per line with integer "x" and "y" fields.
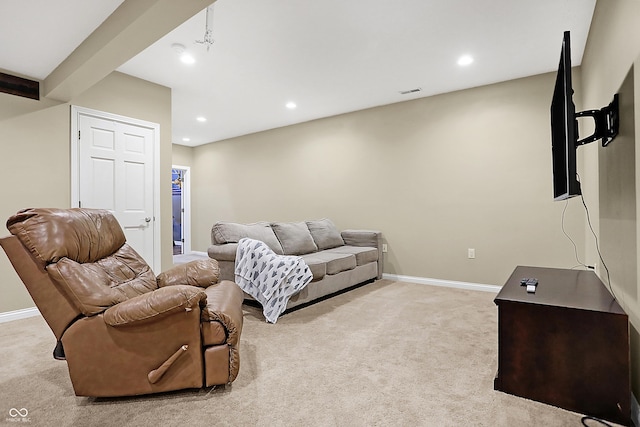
{"x": 231, "y": 232}
{"x": 294, "y": 237}
{"x": 325, "y": 234}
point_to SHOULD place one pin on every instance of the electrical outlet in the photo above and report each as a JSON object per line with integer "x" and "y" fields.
{"x": 471, "y": 253}
{"x": 384, "y": 247}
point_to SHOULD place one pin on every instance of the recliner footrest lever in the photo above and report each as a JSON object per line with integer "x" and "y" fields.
{"x": 155, "y": 375}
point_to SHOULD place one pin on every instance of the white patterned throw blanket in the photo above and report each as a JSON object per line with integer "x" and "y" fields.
{"x": 268, "y": 277}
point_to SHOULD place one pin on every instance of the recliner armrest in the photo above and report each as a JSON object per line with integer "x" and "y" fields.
{"x": 202, "y": 273}
{"x": 155, "y": 304}
{"x": 224, "y": 304}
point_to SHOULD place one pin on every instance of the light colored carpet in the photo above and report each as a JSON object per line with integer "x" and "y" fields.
{"x": 192, "y": 256}
{"x": 385, "y": 354}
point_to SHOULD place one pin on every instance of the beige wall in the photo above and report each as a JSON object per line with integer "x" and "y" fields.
{"x": 611, "y": 174}
{"x": 439, "y": 175}
{"x": 34, "y": 138}
{"x": 181, "y": 155}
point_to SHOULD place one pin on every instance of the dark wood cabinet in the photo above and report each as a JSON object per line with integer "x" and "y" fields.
{"x": 566, "y": 345}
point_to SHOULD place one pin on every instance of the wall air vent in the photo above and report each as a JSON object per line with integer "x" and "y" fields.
{"x": 407, "y": 92}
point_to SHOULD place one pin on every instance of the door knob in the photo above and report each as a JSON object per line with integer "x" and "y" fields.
{"x": 147, "y": 219}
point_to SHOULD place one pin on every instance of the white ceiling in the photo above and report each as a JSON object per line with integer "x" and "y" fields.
{"x": 329, "y": 57}
{"x": 37, "y": 35}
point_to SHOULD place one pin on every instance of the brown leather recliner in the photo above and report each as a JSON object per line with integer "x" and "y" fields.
{"x": 124, "y": 331}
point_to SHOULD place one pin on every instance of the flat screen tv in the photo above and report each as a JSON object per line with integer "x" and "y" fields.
{"x": 564, "y": 128}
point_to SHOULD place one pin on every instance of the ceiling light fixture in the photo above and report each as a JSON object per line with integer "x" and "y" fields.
{"x": 186, "y": 139}
{"x": 291, "y": 105}
{"x": 208, "y": 29}
{"x": 465, "y": 60}
{"x": 201, "y": 119}
{"x": 185, "y": 57}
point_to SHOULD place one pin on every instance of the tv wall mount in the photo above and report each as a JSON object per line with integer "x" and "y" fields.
{"x": 607, "y": 122}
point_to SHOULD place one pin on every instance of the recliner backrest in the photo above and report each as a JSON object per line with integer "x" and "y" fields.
{"x": 85, "y": 253}
{"x": 83, "y": 235}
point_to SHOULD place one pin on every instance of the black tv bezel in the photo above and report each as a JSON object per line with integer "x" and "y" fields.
{"x": 564, "y": 132}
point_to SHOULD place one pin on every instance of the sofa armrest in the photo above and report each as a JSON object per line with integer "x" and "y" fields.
{"x": 224, "y": 305}
{"x": 156, "y": 304}
{"x": 224, "y": 252}
{"x": 370, "y": 238}
{"x": 202, "y": 273}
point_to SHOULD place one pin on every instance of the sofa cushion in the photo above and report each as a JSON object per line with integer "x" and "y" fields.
{"x": 294, "y": 237}
{"x": 231, "y": 232}
{"x": 363, "y": 254}
{"x": 317, "y": 266}
{"x": 335, "y": 262}
{"x": 325, "y": 234}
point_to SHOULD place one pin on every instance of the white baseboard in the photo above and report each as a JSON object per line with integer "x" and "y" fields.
{"x": 9, "y": 316}
{"x": 444, "y": 283}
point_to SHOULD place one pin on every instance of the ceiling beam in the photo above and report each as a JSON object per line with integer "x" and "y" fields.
{"x": 131, "y": 28}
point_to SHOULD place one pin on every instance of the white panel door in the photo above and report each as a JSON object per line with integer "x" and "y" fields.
{"x": 116, "y": 172}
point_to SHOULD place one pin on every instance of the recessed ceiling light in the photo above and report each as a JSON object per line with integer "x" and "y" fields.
{"x": 186, "y": 139}
{"x": 465, "y": 60}
{"x": 291, "y": 105}
{"x": 201, "y": 119}
{"x": 185, "y": 57}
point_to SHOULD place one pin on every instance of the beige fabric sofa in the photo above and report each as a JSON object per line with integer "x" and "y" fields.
{"x": 337, "y": 260}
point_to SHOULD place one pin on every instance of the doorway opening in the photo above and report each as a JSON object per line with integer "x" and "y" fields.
{"x": 180, "y": 209}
